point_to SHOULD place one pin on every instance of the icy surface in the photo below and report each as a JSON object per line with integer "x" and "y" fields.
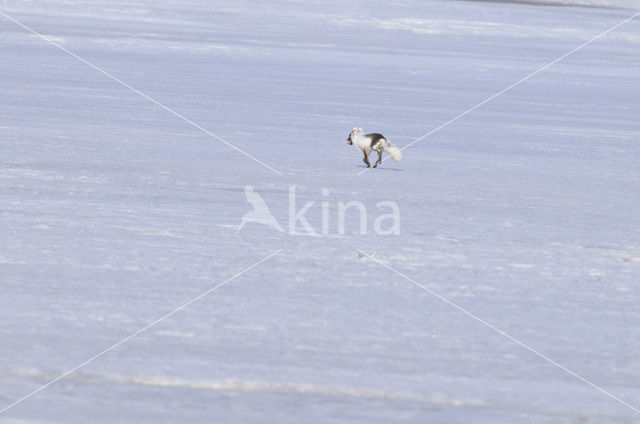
{"x": 115, "y": 212}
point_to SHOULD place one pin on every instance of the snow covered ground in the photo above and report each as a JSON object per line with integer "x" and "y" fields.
{"x": 115, "y": 212}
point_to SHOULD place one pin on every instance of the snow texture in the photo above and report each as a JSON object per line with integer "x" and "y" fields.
{"x": 115, "y": 212}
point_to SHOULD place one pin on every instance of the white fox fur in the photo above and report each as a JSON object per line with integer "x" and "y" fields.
{"x": 368, "y": 142}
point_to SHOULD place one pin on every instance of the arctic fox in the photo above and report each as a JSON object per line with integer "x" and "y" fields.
{"x": 368, "y": 142}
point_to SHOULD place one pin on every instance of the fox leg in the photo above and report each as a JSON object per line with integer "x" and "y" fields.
{"x": 366, "y": 159}
{"x": 379, "y": 158}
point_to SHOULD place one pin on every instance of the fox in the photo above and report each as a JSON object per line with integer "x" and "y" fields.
{"x": 374, "y": 141}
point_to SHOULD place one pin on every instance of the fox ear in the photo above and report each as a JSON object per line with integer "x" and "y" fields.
{"x": 354, "y": 130}
{"x": 359, "y": 130}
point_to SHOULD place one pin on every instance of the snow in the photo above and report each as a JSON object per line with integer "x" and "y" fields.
{"x": 116, "y": 212}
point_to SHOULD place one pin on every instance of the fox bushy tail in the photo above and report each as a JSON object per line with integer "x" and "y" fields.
{"x": 392, "y": 151}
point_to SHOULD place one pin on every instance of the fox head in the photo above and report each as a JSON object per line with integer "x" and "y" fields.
{"x": 354, "y": 133}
